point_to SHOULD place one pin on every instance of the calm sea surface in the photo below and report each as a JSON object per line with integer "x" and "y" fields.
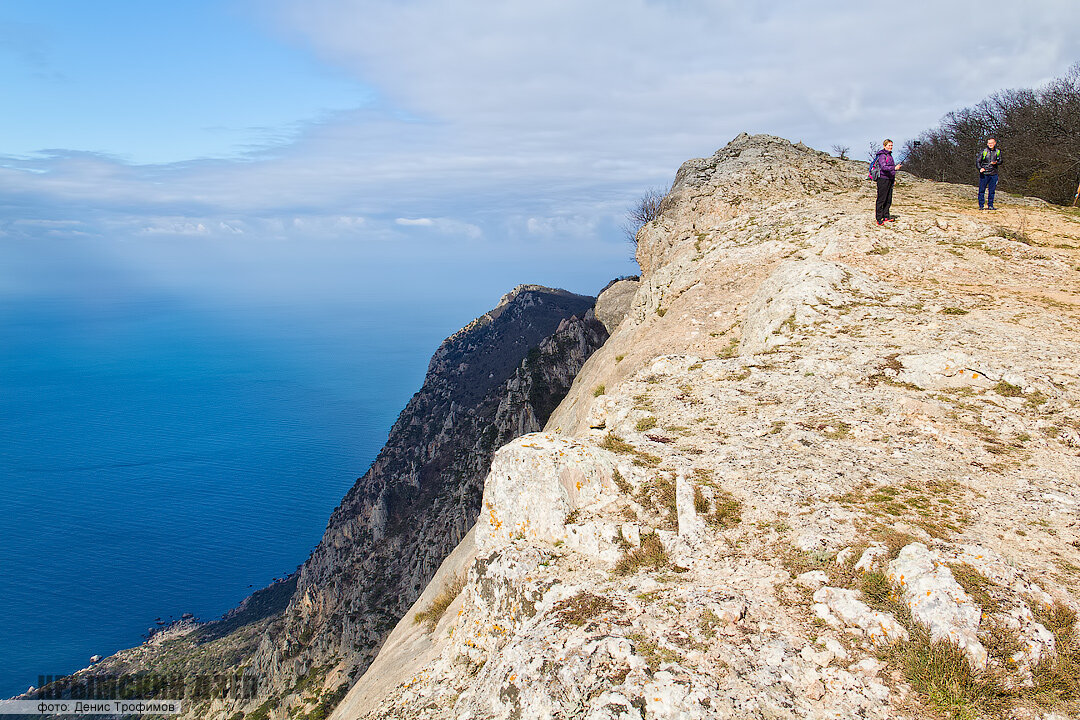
{"x": 158, "y": 458}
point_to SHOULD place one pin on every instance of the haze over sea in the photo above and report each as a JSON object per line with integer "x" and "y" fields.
{"x": 162, "y": 456}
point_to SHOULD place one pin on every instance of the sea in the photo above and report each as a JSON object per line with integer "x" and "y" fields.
{"x": 161, "y": 456}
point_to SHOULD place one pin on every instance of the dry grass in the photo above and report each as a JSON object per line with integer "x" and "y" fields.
{"x": 976, "y": 585}
{"x": 730, "y": 351}
{"x": 646, "y": 423}
{"x": 651, "y": 555}
{"x": 654, "y": 653}
{"x": 726, "y": 510}
{"x": 1006, "y": 389}
{"x": 658, "y": 493}
{"x": 583, "y": 607}
{"x": 943, "y": 675}
{"x": 431, "y": 616}
{"x": 1057, "y": 679}
{"x": 701, "y": 504}
{"x": 616, "y": 444}
{"x": 940, "y": 671}
{"x": 933, "y": 506}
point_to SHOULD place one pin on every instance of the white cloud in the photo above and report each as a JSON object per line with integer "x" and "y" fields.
{"x": 447, "y": 226}
{"x": 174, "y": 227}
{"x": 505, "y": 125}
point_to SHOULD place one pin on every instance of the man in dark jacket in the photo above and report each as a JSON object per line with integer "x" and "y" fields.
{"x": 987, "y": 161}
{"x": 886, "y": 179}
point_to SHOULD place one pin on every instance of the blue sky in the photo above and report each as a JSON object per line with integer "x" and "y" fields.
{"x": 309, "y": 148}
{"x": 156, "y": 82}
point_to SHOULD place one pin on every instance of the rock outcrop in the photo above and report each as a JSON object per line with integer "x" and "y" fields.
{"x": 497, "y": 378}
{"x": 821, "y": 468}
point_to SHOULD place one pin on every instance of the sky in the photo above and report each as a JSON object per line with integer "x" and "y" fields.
{"x": 313, "y": 149}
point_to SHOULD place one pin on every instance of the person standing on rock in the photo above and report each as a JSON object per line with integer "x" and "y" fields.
{"x": 886, "y": 179}
{"x": 987, "y": 161}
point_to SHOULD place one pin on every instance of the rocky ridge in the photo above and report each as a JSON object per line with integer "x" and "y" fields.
{"x": 822, "y": 469}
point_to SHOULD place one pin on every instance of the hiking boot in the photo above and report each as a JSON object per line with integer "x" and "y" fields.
{"x": 891, "y": 218}
{"x": 880, "y": 222}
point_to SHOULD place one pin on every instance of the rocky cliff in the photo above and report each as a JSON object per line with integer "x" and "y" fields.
{"x": 821, "y": 469}
{"x": 488, "y": 383}
{"x": 306, "y": 638}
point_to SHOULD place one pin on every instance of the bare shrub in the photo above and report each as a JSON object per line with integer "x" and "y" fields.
{"x": 643, "y": 211}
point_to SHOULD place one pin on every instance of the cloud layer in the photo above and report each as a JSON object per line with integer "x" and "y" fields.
{"x": 525, "y": 128}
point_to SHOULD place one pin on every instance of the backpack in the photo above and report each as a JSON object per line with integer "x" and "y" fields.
{"x": 875, "y": 170}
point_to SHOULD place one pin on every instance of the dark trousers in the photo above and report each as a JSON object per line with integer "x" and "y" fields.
{"x": 884, "y": 197}
{"x": 986, "y": 180}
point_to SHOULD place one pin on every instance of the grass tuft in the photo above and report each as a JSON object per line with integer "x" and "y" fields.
{"x": 622, "y": 483}
{"x": 1008, "y": 389}
{"x": 431, "y": 616}
{"x": 616, "y": 444}
{"x": 646, "y": 423}
{"x": 976, "y": 585}
{"x": 942, "y": 673}
{"x": 1057, "y": 679}
{"x": 651, "y": 555}
{"x": 727, "y": 510}
{"x": 583, "y": 607}
{"x": 701, "y": 504}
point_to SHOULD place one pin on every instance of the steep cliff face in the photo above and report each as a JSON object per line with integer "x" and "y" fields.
{"x": 497, "y": 378}
{"x": 821, "y": 469}
{"x": 306, "y": 638}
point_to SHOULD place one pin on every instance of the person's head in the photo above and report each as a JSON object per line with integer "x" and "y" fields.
{"x": 887, "y": 144}
{"x": 990, "y": 143}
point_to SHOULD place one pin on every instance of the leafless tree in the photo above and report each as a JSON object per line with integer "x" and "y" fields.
{"x": 644, "y": 210}
{"x": 841, "y": 151}
{"x": 1038, "y": 131}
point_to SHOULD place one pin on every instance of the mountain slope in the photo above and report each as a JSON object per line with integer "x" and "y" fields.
{"x": 817, "y": 457}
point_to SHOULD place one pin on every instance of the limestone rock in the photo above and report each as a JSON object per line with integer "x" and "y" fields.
{"x": 793, "y": 296}
{"x": 937, "y": 600}
{"x": 791, "y": 382}
{"x": 812, "y": 579}
{"x": 872, "y": 557}
{"x": 535, "y": 482}
{"x": 841, "y": 607}
{"x": 613, "y": 302}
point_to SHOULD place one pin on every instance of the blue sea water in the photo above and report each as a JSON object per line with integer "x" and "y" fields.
{"x": 158, "y": 457}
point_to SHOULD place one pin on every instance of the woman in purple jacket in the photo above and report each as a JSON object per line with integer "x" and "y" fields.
{"x": 886, "y": 179}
